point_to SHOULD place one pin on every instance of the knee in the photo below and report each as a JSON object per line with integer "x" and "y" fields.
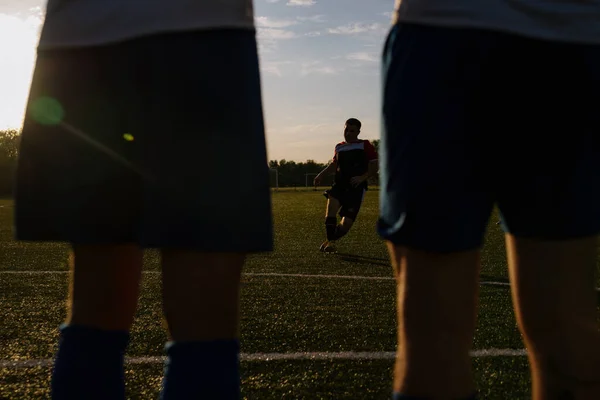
{"x": 564, "y": 347}
{"x": 347, "y": 222}
{"x": 201, "y": 294}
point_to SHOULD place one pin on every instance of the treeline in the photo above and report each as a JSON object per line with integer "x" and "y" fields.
{"x": 295, "y": 174}
{"x": 9, "y": 146}
{"x": 299, "y": 174}
{"x": 283, "y": 173}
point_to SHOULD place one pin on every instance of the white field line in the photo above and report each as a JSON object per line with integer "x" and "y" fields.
{"x": 273, "y": 274}
{"x": 318, "y": 356}
{"x": 273, "y": 356}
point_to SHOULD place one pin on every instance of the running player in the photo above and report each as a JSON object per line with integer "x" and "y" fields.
{"x": 354, "y": 162}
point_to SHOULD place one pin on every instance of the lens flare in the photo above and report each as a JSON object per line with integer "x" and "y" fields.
{"x": 47, "y": 111}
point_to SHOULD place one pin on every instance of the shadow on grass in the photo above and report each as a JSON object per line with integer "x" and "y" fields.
{"x": 493, "y": 278}
{"x": 354, "y": 258}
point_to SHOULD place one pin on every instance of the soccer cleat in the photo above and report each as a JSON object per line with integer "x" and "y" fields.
{"x": 323, "y": 245}
{"x": 327, "y": 247}
{"x": 330, "y": 249}
{"x": 326, "y": 194}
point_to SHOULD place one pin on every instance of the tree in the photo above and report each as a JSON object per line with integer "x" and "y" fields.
{"x": 291, "y": 173}
{"x": 375, "y": 143}
{"x": 375, "y": 180}
{"x": 9, "y": 144}
{"x": 9, "y": 148}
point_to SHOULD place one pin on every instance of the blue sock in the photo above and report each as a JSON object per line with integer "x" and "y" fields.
{"x": 89, "y": 364}
{"x": 202, "y": 370}
{"x": 400, "y": 396}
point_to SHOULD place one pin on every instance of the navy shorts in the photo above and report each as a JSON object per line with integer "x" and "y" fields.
{"x": 157, "y": 141}
{"x": 475, "y": 118}
{"x": 350, "y": 199}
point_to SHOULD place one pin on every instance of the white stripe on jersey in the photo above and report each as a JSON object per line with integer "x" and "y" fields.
{"x": 350, "y": 146}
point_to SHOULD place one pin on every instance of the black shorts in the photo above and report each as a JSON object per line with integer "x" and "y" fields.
{"x": 350, "y": 199}
{"x": 475, "y": 118}
{"x": 151, "y": 141}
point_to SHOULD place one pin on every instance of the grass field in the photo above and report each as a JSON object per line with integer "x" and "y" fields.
{"x": 294, "y": 324}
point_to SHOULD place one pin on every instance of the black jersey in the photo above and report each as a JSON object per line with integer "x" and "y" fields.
{"x": 352, "y": 159}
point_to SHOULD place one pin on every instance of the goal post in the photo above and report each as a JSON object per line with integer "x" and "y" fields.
{"x": 306, "y": 178}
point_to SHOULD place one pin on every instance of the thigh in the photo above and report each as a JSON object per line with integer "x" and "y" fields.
{"x": 352, "y": 202}
{"x": 434, "y": 168}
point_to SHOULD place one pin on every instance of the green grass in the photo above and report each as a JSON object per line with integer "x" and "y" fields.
{"x": 280, "y": 314}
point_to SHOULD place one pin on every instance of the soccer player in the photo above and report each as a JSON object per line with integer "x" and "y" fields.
{"x": 466, "y": 84}
{"x": 354, "y": 162}
{"x": 136, "y": 112}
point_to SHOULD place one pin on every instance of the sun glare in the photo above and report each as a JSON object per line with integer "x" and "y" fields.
{"x": 18, "y": 41}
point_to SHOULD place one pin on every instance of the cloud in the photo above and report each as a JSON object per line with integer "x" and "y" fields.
{"x": 387, "y": 14}
{"x": 316, "y": 67}
{"x": 19, "y": 6}
{"x": 304, "y": 128}
{"x": 352, "y": 29}
{"x": 272, "y": 1}
{"x": 301, "y": 3}
{"x": 267, "y": 22}
{"x": 37, "y": 11}
{"x": 274, "y": 34}
{"x": 314, "y": 18}
{"x": 362, "y": 56}
{"x": 266, "y": 47}
{"x": 355, "y": 28}
{"x": 274, "y": 67}
{"x": 313, "y": 34}
{"x": 268, "y": 38}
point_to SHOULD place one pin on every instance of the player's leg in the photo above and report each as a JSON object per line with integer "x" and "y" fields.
{"x": 349, "y": 212}
{"x": 103, "y": 296}
{"x": 74, "y": 184}
{"x": 331, "y": 211}
{"x": 551, "y": 211}
{"x": 436, "y": 306}
{"x": 332, "y": 207}
{"x": 435, "y": 202}
{"x": 201, "y": 293}
{"x": 344, "y": 227}
{"x": 206, "y": 130}
{"x": 348, "y": 218}
{"x": 554, "y": 290}
{"x": 104, "y": 286}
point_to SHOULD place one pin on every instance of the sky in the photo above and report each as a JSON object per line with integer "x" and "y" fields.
{"x": 320, "y": 65}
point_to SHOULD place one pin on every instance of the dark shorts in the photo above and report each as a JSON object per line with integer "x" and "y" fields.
{"x": 350, "y": 199}
{"x": 157, "y": 141}
{"x": 473, "y": 119}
